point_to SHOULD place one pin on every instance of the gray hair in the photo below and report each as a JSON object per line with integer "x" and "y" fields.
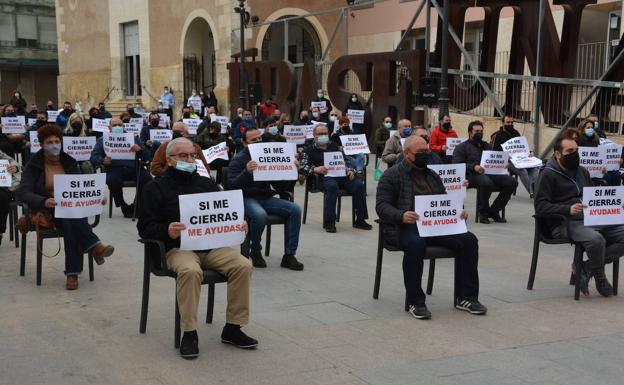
{"x": 171, "y": 146}
{"x": 320, "y": 125}
{"x": 404, "y": 122}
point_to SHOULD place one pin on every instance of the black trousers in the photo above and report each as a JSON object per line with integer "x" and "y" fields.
{"x": 486, "y": 185}
{"x": 6, "y": 197}
{"x": 116, "y": 176}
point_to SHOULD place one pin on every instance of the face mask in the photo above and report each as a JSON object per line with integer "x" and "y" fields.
{"x": 166, "y": 90}
{"x": 589, "y": 132}
{"x": 273, "y": 130}
{"x": 388, "y": 125}
{"x": 248, "y": 117}
{"x": 10, "y": 114}
{"x": 596, "y": 126}
{"x": 323, "y": 139}
{"x": 194, "y": 93}
{"x": 214, "y": 135}
{"x": 131, "y": 111}
{"x": 176, "y": 135}
{"x": 305, "y": 118}
{"x": 186, "y": 167}
{"x": 477, "y": 137}
{"x": 446, "y": 126}
{"x": 320, "y": 95}
{"x": 67, "y": 110}
{"x": 117, "y": 130}
{"x": 102, "y": 109}
{"x": 315, "y": 114}
{"x": 345, "y": 129}
{"x": 240, "y": 115}
{"x": 420, "y": 160}
{"x": 76, "y": 126}
{"x": 17, "y": 95}
{"x": 201, "y": 94}
{"x": 354, "y": 99}
{"x": 40, "y": 123}
{"x": 406, "y": 132}
{"x": 508, "y": 127}
{"x": 186, "y": 115}
{"x": 571, "y": 161}
{"x": 52, "y": 149}
{"x": 154, "y": 123}
{"x": 333, "y": 118}
{"x": 426, "y": 138}
{"x": 268, "y": 102}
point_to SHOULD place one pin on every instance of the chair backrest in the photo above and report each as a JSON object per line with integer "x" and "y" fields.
{"x": 384, "y": 241}
{"x": 312, "y": 184}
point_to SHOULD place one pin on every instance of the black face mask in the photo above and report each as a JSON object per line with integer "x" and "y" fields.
{"x": 67, "y": 110}
{"x": 126, "y": 120}
{"x": 214, "y": 135}
{"x": 187, "y": 115}
{"x": 176, "y": 135}
{"x": 40, "y": 123}
{"x": 426, "y": 138}
{"x": 345, "y": 129}
{"x": 102, "y": 109}
{"x": 76, "y": 126}
{"x": 10, "y": 114}
{"x": 420, "y": 160}
{"x": 305, "y": 118}
{"x": 154, "y": 123}
{"x": 131, "y": 111}
{"x": 571, "y": 161}
{"x": 446, "y": 126}
{"x": 477, "y": 137}
{"x": 508, "y": 127}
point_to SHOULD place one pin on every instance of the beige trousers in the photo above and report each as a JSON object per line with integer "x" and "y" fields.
{"x": 227, "y": 261}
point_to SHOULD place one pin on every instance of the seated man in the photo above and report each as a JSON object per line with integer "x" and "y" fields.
{"x": 119, "y": 171}
{"x": 559, "y": 190}
{"x": 393, "y": 147}
{"x": 470, "y": 152}
{"x": 150, "y": 145}
{"x": 259, "y": 203}
{"x": 159, "y": 163}
{"x": 395, "y": 205}
{"x": 312, "y": 162}
{"x": 159, "y": 219}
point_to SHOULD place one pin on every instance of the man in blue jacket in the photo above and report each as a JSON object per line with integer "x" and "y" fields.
{"x": 259, "y": 203}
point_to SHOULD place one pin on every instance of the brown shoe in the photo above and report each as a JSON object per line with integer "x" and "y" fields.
{"x": 101, "y": 251}
{"x": 72, "y": 282}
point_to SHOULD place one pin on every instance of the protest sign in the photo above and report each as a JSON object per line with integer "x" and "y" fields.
{"x": 160, "y": 135}
{"x": 100, "y": 125}
{"x": 452, "y": 175}
{"x": 295, "y": 134}
{"x": 593, "y": 159}
{"x": 604, "y": 205}
{"x": 276, "y": 161}
{"x": 335, "y": 164}
{"x": 35, "y": 146}
{"x": 78, "y": 196}
{"x": 212, "y": 220}
{"x": 219, "y": 151}
{"x": 354, "y": 144}
{"x": 5, "y": 177}
{"x": 52, "y": 115}
{"x": 164, "y": 120}
{"x": 31, "y": 122}
{"x": 13, "y": 125}
{"x": 322, "y": 106}
{"x": 223, "y": 120}
{"x": 440, "y": 214}
{"x": 118, "y": 146}
{"x": 451, "y": 143}
{"x": 520, "y": 161}
{"x": 201, "y": 169}
{"x": 133, "y": 128}
{"x": 613, "y": 156}
{"x": 309, "y": 129}
{"x": 518, "y": 146}
{"x": 196, "y": 104}
{"x": 495, "y": 162}
{"x": 192, "y": 125}
{"x": 79, "y": 147}
{"x": 138, "y": 121}
{"x": 356, "y": 116}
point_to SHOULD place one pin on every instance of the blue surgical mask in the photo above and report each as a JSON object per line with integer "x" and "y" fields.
{"x": 117, "y": 130}
{"x": 248, "y": 117}
{"x": 185, "y": 166}
{"x": 406, "y": 132}
{"x": 388, "y": 125}
{"x": 315, "y": 114}
{"x": 273, "y": 130}
{"x": 589, "y": 132}
{"x": 323, "y": 139}
{"x": 52, "y": 149}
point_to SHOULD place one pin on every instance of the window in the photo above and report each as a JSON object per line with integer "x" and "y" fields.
{"x": 7, "y": 28}
{"x": 27, "y": 27}
{"x": 47, "y": 30}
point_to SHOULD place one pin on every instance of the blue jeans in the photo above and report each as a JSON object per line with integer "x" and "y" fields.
{"x": 78, "y": 238}
{"x": 359, "y": 162}
{"x": 331, "y": 187}
{"x": 257, "y": 210}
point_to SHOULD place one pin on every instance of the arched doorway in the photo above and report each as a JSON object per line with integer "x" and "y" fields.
{"x": 303, "y": 41}
{"x": 198, "y": 59}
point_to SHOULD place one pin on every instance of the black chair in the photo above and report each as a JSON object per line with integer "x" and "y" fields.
{"x": 13, "y": 216}
{"x": 496, "y": 190}
{"x": 155, "y": 262}
{"x": 543, "y": 234}
{"x": 433, "y": 253}
{"x": 43, "y": 235}
{"x": 128, "y": 184}
{"x": 312, "y": 186}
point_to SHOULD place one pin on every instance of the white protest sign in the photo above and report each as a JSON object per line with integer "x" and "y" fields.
{"x": 212, "y": 220}
{"x": 100, "y": 125}
{"x": 138, "y": 121}
{"x": 192, "y": 125}
{"x": 223, "y": 120}
{"x": 451, "y": 143}
{"x": 309, "y": 130}
{"x": 593, "y": 159}
{"x": 276, "y": 161}
{"x": 604, "y": 206}
{"x": 13, "y": 125}
{"x": 165, "y": 103}
{"x": 32, "y": 121}
{"x": 164, "y": 120}
{"x": 295, "y": 134}
{"x": 520, "y": 161}
{"x": 78, "y": 196}
{"x": 201, "y": 169}
{"x": 354, "y": 144}
{"x": 322, "y": 106}
{"x": 160, "y": 135}
{"x": 439, "y": 214}
{"x": 335, "y": 164}
{"x": 79, "y": 147}
{"x": 133, "y": 127}
{"x": 518, "y": 146}
{"x": 117, "y": 146}
{"x": 196, "y": 104}
{"x": 35, "y": 146}
{"x": 495, "y": 162}
{"x": 52, "y": 115}
{"x": 5, "y": 177}
{"x": 356, "y": 116}
{"x": 219, "y": 151}
{"x": 613, "y": 156}
{"x": 452, "y": 175}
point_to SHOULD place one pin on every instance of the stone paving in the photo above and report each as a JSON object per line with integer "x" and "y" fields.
{"x": 319, "y": 326}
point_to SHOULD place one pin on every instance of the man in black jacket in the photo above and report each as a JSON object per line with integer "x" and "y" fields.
{"x": 470, "y": 152}
{"x": 259, "y": 203}
{"x": 395, "y": 205}
{"x": 559, "y": 192}
{"x": 159, "y": 219}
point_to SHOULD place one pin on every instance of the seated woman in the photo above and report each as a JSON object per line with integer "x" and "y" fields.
{"x": 6, "y": 193}
{"x": 37, "y": 190}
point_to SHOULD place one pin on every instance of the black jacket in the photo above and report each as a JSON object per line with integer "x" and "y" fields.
{"x": 160, "y": 206}
{"x": 584, "y": 141}
{"x": 470, "y": 152}
{"x": 501, "y": 136}
{"x": 240, "y": 178}
{"x": 32, "y": 189}
{"x": 395, "y": 196}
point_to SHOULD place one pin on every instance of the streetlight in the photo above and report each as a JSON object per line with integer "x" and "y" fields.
{"x": 443, "y": 100}
{"x": 244, "y": 19}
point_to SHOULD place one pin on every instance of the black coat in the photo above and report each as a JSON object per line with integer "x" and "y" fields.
{"x": 470, "y": 152}
{"x": 501, "y": 136}
{"x": 240, "y": 178}
{"x": 160, "y": 206}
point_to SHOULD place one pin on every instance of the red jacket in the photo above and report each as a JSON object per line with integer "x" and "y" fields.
{"x": 268, "y": 110}
{"x": 438, "y": 139}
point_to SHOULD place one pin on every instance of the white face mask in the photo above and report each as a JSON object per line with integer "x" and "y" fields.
{"x": 354, "y": 99}
{"x": 320, "y": 95}
{"x": 333, "y": 118}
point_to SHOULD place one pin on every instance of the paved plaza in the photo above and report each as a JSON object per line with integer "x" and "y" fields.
{"x": 318, "y": 326}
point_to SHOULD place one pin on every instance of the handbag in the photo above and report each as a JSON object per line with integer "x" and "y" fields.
{"x": 378, "y": 171}
{"x": 40, "y": 219}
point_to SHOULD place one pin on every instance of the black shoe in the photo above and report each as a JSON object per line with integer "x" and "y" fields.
{"x": 361, "y": 224}
{"x": 189, "y": 348}
{"x": 257, "y": 260}
{"x": 497, "y": 218}
{"x": 233, "y": 335}
{"x": 290, "y": 262}
{"x": 484, "y": 219}
{"x": 419, "y": 311}
{"x": 603, "y": 286}
{"x": 472, "y": 306}
{"x": 330, "y": 228}
{"x": 127, "y": 210}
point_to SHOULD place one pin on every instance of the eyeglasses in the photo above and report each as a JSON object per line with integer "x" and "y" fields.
{"x": 184, "y": 155}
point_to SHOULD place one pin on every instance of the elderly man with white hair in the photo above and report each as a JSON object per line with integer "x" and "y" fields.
{"x": 394, "y": 146}
{"x": 160, "y": 219}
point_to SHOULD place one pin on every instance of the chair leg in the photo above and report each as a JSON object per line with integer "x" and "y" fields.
{"x": 136, "y": 201}
{"x": 176, "y": 333}
{"x": 533, "y": 261}
{"x": 210, "y": 309}
{"x": 245, "y": 247}
{"x": 145, "y": 296}
{"x": 23, "y": 256}
{"x": 15, "y": 231}
{"x": 39, "y": 259}
{"x": 578, "y": 265}
{"x": 11, "y": 223}
{"x": 406, "y": 306}
{"x": 338, "y": 208}
{"x": 90, "y": 268}
{"x": 616, "y": 274}
{"x": 305, "y": 204}
{"x": 110, "y": 204}
{"x": 378, "y": 266}
{"x": 503, "y": 213}
{"x": 267, "y": 245}
{"x": 477, "y": 208}
{"x": 455, "y": 281}
{"x": 431, "y": 275}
